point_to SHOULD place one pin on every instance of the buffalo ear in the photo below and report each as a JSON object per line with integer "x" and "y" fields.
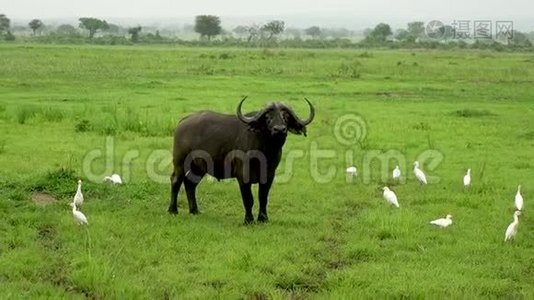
{"x": 294, "y": 126}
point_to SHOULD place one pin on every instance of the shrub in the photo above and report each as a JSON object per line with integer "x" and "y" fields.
{"x": 51, "y": 114}
{"x": 82, "y": 126}
{"x": 349, "y": 70}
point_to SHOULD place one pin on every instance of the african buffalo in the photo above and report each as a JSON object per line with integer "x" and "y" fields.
{"x": 246, "y": 147}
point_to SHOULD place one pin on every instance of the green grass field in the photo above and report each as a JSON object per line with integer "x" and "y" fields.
{"x": 85, "y": 112}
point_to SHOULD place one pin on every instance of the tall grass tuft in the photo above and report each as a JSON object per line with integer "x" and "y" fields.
{"x": 26, "y": 112}
{"x": 132, "y": 122}
{"x": 349, "y": 70}
{"x": 52, "y": 114}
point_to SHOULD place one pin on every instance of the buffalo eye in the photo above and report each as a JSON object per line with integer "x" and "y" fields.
{"x": 285, "y": 116}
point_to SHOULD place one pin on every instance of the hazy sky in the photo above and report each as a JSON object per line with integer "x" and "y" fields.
{"x": 356, "y": 12}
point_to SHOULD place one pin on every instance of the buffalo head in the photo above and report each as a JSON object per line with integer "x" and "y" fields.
{"x": 276, "y": 119}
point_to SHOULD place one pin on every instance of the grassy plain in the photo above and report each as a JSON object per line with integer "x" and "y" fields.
{"x": 327, "y": 237}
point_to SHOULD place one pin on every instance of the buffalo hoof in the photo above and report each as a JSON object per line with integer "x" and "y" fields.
{"x": 173, "y": 211}
{"x": 194, "y": 211}
{"x": 262, "y": 218}
{"x": 249, "y": 220}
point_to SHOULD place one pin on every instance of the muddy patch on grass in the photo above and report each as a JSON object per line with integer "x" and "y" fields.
{"x": 43, "y": 199}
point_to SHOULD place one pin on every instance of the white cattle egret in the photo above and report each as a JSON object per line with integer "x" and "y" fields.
{"x": 443, "y": 222}
{"x": 467, "y": 178}
{"x": 419, "y": 173}
{"x": 390, "y": 196}
{"x": 78, "y": 198}
{"x": 78, "y": 215}
{"x": 352, "y": 171}
{"x": 512, "y": 228}
{"x": 396, "y": 173}
{"x": 115, "y": 179}
{"x": 518, "y": 199}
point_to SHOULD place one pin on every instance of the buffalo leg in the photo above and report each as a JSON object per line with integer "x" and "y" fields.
{"x": 248, "y": 201}
{"x": 263, "y": 196}
{"x": 177, "y": 178}
{"x": 190, "y": 190}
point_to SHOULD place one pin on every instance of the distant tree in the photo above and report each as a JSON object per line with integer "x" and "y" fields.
{"x": 4, "y": 24}
{"x": 380, "y": 33}
{"x": 113, "y": 29}
{"x": 134, "y": 33}
{"x": 35, "y": 24}
{"x": 520, "y": 39}
{"x": 93, "y": 25}
{"x": 404, "y": 35}
{"x": 313, "y": 31}
{"x": 240, "y": 30}
{"x": 253, "y": 32}
{"x": 66, "y": 29}
{"x": 208, "y": 26}
{"x": 273, "y": 28}
{"x": 366, "y": 32}
{"x": 417, "y": 29}
{"x": 9, "y": 36}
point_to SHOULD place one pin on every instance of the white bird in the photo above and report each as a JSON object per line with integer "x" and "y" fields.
{"x": 511, "y": 230}
{"x": 419, "y": 173}
{"x": 352, "y": 171}
{"x": 115, "y": 179}
{"x": 390, "y": 196}
{"x": 396, "y": 173}
{"x": 442, "y": 222}
{"x": 78, "y": 215}
{"x": 467, "y": 178}
{"x": 78, "y": 198}
{"x": 518, "y": 199}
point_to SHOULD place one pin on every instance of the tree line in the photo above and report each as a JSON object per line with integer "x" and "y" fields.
{"x": 208, "y": 28}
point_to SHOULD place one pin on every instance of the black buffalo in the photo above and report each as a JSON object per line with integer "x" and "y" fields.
{"x": 247, "y": 148}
